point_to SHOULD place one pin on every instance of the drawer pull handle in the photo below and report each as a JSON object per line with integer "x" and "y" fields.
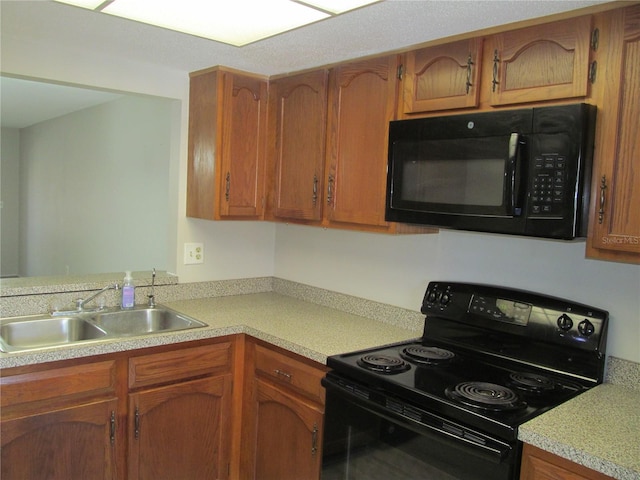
{"x": 112, "y": 431}
{"x": 603, "y": 187}
{"x": 314, "y": 439}
{"x": 280, "y": 373}
{"x": 137, "y": 423}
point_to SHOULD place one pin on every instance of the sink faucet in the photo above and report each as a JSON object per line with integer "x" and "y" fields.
{"x": 80, "y": 303}
{"x": 152, "y": 296}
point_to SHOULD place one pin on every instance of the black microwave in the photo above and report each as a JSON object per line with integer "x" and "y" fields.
{"x": 519, "y": 172}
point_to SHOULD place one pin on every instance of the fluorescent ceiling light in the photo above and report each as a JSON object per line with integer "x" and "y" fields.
{"x": 236, "y": 22}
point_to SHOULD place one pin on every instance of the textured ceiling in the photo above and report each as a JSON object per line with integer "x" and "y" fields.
{"x": 386, "y": 26}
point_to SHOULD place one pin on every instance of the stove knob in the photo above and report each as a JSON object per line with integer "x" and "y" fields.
{"x": 564, "y": 322}
{"x": 445, "y": 298}
{"x": 433, "y": 295}
{"x": 586, "y": 328}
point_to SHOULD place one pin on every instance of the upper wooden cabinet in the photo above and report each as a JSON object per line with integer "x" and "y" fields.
{"x": 297, "y": 125}
{"x": 533, "y": 64}
{"x": 615, "y": 212}
{"x": 362, "y": 101}
{"x": 442, "y": 77}
{"x": 540, "y": 63}
{"x": 227, "y": 145}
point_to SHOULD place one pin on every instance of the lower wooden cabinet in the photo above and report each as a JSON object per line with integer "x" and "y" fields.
{"x": 69, "y": 443}
{"x": 181, "y": 431}
{"x": 161, "y": 413}
{"x": 287, "y": 434}
{"x": 538, "y": 464}
{"x": 283, "y": 417}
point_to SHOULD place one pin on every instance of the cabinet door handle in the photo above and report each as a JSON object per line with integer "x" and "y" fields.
{"x": 137, "y": 423}
{"x": 227, "y": 187}
{"x": 496, "y": 61}
{"x": 469, "y": 65}
{"x": 314, "y": 439}
{"x": 603, "y": 187}
{"x": 281, "y": 373}
{"x": 315, "y": 189}
{"x": 330, "y": 190}
{"x": 112, "y": 429}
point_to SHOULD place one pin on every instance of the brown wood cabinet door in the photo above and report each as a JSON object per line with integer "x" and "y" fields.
{"x": 243, "y": 149}
{"x": 540, "y": 465}
{"x": 288, "y": 436}
{"x": 540, "y": 63}
{"x": 443, "y": 77}
{"x": 75, "y": 443}
{"x": 362, "y": 101}
{"x": 299, "y": 108}
{"x": 181, "y": 431}
{"x": 615, "y": 219}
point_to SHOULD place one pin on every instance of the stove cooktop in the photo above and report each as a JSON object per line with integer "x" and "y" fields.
{"x": 492, "y": 397}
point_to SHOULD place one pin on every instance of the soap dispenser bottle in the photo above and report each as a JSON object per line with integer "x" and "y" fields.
{"x": 128, "y": 291}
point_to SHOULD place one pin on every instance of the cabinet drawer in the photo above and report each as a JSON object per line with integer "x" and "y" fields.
{"x": 75, "y": 382}
{"x": 179, "y": 364}
{"x": 286, "y": 370}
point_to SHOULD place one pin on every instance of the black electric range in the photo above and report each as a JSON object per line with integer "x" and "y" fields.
{"x": 490, "y": 359}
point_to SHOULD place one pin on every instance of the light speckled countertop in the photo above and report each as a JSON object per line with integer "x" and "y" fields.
{"x": 599, "y": 429}
{"x": 308, "y": 329}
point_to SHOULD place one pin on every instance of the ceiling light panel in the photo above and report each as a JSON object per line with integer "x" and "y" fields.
{"x": 236, "y": 22}
{"x": 338, "y": 6}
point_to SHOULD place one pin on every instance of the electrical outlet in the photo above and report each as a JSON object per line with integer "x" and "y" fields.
{"x": 193, "y": 253}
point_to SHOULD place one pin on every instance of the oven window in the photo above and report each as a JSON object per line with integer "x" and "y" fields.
{"x": 359, "y": 445}
{"x": 452, "y": 172}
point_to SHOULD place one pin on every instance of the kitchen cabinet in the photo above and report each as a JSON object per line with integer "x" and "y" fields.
{"x": 538, "y": 464}
{"x": 615, "y": 216}
{"x": 181, "y": 429}
{"x": 227, "y": 145}
{"x": 362, "y": 101}
{"x": 533, "y": 64}
{"x": 539, "y": 63}
{"x": 442, "y": 77}
{"x": 298, "y": 119}
{"x": 60, "y": 423}
{"x": 166, "y": 414}
{"x": 283, "y": 418}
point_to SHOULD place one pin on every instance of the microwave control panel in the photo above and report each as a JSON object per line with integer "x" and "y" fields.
{"x": 548, "y": 187}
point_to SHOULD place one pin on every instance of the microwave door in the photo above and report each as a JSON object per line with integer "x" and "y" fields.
{"x": 467, "y": 177}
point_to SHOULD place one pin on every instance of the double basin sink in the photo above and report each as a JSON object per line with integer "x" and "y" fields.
{"x": 36, "y": 332}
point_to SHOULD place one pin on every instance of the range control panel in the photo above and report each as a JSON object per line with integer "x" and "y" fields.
{"x": 536, "y": 316}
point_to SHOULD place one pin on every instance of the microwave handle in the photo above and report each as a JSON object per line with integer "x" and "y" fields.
{"x": 514, "y": 174}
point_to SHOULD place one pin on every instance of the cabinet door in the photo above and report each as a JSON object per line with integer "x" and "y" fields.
{"x": 362, "y": 101}
{"x": 181, "y": 431}
{"x": 243, "y": 149}
{"x": 615, "y": 212}
{"x": 540, "y": 63}
{"x": 299, "y": 109}
{"x": 288, "y": 436}
{"x": 75, "y": 443}
{"x": 540, "y": 465}
{"x": 443, "y": 77}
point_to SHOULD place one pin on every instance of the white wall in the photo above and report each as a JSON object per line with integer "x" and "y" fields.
{"x": 10, "y": 205}
{"x": 396, "y": 270}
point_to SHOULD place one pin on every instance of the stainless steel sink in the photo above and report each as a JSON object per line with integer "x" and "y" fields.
{"x": 42, "y": 331}
{"x": 39, "y": 332}
{"x": 140, "y": 321}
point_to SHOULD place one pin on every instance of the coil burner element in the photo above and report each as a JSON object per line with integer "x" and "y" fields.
{"x": 486, "y": 396}
{"x": 383, "y": 363}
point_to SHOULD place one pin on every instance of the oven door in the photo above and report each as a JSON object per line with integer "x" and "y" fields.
{"x": 372, "y": 436}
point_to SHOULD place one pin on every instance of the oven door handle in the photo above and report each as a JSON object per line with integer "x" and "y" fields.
{"x": 496, "y": 452}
